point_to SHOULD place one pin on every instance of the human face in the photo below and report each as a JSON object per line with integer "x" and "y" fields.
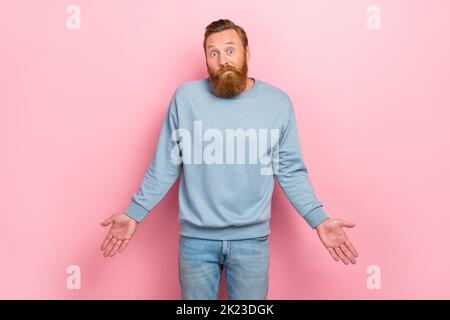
{"x": 226, "y": 59}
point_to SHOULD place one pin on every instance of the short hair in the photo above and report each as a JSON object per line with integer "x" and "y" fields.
{"x": 221, "y": 25}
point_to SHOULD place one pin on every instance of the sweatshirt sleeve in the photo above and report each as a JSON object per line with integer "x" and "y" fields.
{"x": 162, "y": 171}
{"x": 292, "y": 175}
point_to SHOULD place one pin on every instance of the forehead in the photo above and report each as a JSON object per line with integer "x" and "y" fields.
{"x": 222, "y": 38}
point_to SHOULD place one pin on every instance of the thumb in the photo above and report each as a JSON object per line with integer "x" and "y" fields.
{"x": 107, "y": 222}
{"x": 347, "y": 224}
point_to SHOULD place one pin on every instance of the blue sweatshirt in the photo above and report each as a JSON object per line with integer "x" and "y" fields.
{"x": 228, "y": 151}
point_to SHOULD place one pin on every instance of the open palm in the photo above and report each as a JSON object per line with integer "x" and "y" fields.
{"x": 331, "y": 233}
{"x": 122, "y": 230}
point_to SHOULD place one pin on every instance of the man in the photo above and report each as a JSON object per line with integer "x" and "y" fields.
{"x": 225, "y": 196}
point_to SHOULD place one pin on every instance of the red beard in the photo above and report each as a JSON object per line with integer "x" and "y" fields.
{"x": 230, "y": 84}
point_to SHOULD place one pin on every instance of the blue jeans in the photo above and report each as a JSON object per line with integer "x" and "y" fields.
{"x": 246, "y": 264}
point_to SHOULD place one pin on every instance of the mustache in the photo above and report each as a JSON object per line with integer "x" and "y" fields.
{"x": 226, "y": 68}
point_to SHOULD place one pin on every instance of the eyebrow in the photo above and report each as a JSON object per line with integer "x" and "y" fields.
{"x": 228, "y": 42}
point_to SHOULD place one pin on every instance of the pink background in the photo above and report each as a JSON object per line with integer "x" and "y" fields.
{"x": 81, "y": 111}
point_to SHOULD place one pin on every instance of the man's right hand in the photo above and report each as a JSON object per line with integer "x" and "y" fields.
{"x": 122, "y": 229}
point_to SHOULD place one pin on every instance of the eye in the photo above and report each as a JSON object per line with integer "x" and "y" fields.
{"x": 230, "y": 51}
{"x": 213, "y": 53}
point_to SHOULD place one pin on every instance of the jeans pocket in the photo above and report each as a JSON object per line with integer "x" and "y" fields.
{"x": 263, "y": 238}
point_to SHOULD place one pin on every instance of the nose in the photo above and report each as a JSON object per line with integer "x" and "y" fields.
{"x": 223, "y": 60}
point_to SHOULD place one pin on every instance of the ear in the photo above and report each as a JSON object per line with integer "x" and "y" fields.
{"x": 247, "y": 53}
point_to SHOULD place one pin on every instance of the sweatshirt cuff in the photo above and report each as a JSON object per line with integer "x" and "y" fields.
{"x": 136, "y": 212}
{"x": 316, "y": 217}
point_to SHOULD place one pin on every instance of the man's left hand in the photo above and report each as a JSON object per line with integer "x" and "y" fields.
{"x": 331, "y": 233}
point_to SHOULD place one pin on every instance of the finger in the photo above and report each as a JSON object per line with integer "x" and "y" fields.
{"x": 351, "y": 247}
{"x": 333, "y": 254}
{"x": 341, "y": 255}
{"x": 107, "y": 222}
{"x": 347, "y": 253}
{"x": 116, "y": 247}
{"x": 110, "y": 246}
{"x": 347, "y": 224}
{"x": 123, "y": 245}
{"x": 106, "y": 241}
